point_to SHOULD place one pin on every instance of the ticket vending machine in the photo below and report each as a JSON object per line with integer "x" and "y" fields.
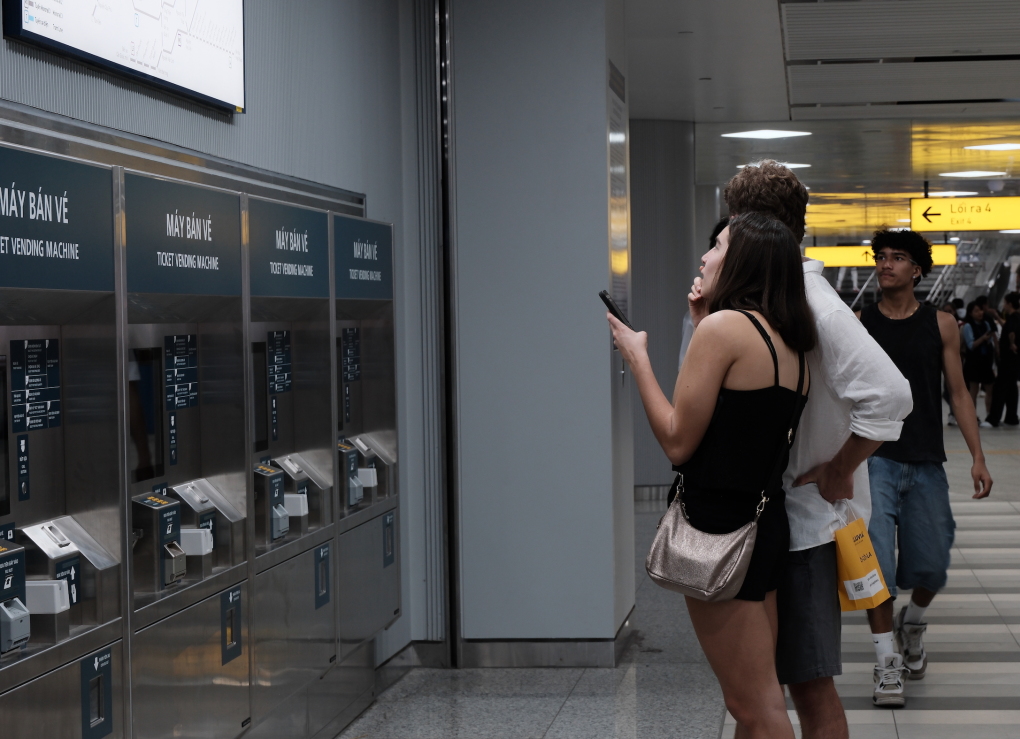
{"x": 291, "y": 375}
{"x": 186, "y": 460}
{"x": 291, "y": 456}
{"x": 369, "y": 576}
{"x": 60, "y": 493}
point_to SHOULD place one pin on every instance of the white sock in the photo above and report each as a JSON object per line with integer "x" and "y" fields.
{"x": 914, "y": 614}
{"x": 884, "y": 644}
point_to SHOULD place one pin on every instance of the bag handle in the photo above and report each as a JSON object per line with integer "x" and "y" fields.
{"x": 851, "y": 513}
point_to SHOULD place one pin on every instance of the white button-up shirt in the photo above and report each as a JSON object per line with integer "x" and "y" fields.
{"x": 855, "y": 389}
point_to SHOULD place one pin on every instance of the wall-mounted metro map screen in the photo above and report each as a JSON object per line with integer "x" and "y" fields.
{"x": 193, "y": 47}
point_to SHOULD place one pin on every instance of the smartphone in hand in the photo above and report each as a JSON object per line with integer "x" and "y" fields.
{"x": 615, "y": 309}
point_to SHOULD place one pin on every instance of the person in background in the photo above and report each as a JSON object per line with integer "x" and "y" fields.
{"x": 991, "y": 315}
{"x": 961, "y": 312}
{"x": 909, "y": 488}
{"x": 1004, "y": 394}
{"x": 979, "y": 344}
{"x": 859, "y": 400}
{"x": 743, "y": 381}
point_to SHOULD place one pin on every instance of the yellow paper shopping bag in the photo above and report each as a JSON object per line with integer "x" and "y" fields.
{"x": 861, "y": 584}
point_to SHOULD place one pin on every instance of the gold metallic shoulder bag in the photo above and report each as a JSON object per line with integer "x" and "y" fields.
{"x": 710, "y": 566}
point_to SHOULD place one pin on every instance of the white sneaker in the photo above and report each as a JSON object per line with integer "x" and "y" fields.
{"x": 911, "y": 639}
{"x": 889, "y": 681}
{"x": 952, "y": 420}
{"x": 985, "y": 425}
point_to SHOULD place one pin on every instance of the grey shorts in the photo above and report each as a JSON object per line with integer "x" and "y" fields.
{"x": 809, "y": 617}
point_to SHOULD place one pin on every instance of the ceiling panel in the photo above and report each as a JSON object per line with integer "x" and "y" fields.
{"x": 886, "y": 29}
{"x": 705, "y": 61}
{"x": 890, "y": 83}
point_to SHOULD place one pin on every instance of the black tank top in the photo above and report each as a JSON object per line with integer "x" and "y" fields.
{"x": 725, "y": 477}
{"x": 915, "y": 346}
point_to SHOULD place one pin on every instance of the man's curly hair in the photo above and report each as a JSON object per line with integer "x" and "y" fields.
{"x": 769, "y": 187}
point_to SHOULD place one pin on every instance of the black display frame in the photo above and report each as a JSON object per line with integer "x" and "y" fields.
{"x": 13, "y": 29}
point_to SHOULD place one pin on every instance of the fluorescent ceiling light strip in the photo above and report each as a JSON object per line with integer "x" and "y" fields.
{"x": 788, "y": 165}
{"x": 765, "y": 133}
{"x": 951, "y": 194}
{"x": 1010, "y": 231}
{"x": 974, "y": 173}
{"x": 995, "y": 147}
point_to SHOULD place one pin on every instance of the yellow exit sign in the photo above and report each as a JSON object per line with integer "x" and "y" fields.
{"x": 861, "y": 256}
{"x": 964, "y": 214}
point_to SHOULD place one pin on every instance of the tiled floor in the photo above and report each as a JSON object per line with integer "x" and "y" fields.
{"x": 664, "y": 688}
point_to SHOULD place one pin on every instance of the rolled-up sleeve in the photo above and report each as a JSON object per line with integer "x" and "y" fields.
{"x": 863, "y": 374}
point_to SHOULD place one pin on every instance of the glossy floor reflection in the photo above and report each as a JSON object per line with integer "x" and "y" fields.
{"x": 664, "y": 688}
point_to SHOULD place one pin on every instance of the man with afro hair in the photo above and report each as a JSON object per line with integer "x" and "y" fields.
{"x": 909, "y": 489}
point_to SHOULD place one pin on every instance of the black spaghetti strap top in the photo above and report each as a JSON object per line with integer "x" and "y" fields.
{"x": 724, "y": 478}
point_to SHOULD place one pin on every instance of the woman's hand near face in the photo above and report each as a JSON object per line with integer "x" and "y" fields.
{"x": 697, "y": 303}
{"x": 633, "y": 345}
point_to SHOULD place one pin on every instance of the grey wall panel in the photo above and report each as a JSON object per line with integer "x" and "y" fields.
{"x": 663, "y": 251}
{"x": 320, "y": 92}
{"x": 419, "y": 321}
{"x": 535, "y": 473}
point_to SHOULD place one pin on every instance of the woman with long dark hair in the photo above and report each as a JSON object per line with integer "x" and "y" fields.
{"x": 725, "y": 431}
{"x": 978, "y": 337}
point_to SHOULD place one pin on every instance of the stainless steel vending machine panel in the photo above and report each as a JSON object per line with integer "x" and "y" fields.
{"x": 84, "y": 698}
{"x": 291, "y": 367}
{"x": 186, "y": 415}
{"x": 60, "y": 490}
{"x": 295, "y": 629}
{"x": 190, "y": 671}
{"x": 369, "y": 557}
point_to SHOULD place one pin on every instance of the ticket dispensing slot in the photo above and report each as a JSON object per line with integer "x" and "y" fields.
{"x": 306, "y": 489}
{"x": 349, "y": 463}
{"x": 15, "y": 624}
{"x": 158, "y": 557}
{"x": 212, "y": 530}
{"x": 272, "y": 521}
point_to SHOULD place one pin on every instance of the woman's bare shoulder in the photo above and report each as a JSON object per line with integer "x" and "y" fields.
{"x": 727, "y": 329}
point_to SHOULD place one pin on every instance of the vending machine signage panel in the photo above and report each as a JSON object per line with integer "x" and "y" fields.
{"x": 364, "y": 259}
{"x": 181, "y": 239}
{"x": 289, "y": 250}
{"x": 56, "y": 223}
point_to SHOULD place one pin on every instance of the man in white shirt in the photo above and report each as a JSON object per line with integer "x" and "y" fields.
{"x": 858, "y": 400}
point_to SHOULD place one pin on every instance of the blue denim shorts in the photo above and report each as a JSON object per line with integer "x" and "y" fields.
{"x": 910, "y": 501}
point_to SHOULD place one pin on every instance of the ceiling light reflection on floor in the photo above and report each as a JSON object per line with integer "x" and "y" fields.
{"x": 765, "y": 133}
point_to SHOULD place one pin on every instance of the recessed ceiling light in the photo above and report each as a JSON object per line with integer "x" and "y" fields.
{"x": 788, "y": 165}
{"x": 765, "y": 133}
{"x": 1011, "y": 231}
{"x": 972, "y": 174}
{"x": 995, "y": 147}
{"x": 951, "y": 194}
